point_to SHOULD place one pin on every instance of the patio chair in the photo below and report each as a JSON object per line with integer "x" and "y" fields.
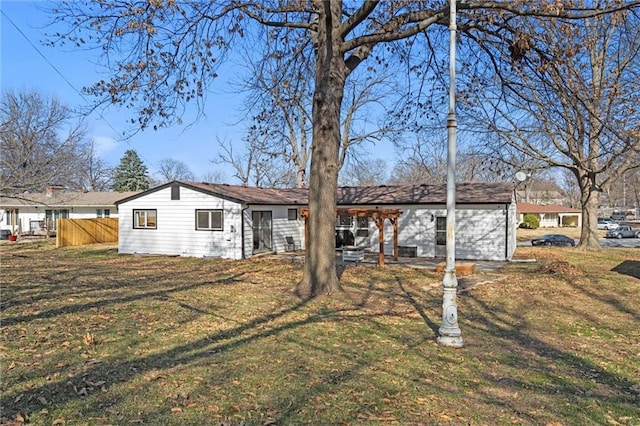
{"x": 290, "y": 244}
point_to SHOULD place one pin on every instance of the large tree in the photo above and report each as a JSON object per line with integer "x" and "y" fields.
{"x": 166, "y": 54}
{"x": 424, "y": 160}
{"x": 171, "y": 169}
{"x": 131, "y": 174}
{"x": 280, "y": 104}
{"x": 40, "y": 144}
{"x": 95, "y": 174}
{"x": 364, "y": 172}
{"x": 569, "y": 97}
{"x": 254, "y": 163}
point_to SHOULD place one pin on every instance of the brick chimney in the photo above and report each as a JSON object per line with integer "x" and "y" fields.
{"x": 50, "y": 190}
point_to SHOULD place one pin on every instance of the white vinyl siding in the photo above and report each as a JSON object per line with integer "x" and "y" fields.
{"x": 482, "y": 231}
{"x": 30, "y": 214}
{"x": 176, "y": 232}
{"x": 281, "y": 227}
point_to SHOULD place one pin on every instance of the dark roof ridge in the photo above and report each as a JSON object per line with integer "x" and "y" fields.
{"x": 468, "y": 193}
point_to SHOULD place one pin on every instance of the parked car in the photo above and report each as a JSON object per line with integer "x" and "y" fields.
{"x": 623, "y": 232}
{"x": 619, "y": 216}
{"x": 553, "y": 240}
{"x": 607, "y": 223}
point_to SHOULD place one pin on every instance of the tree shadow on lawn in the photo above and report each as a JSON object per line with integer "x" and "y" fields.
{"x": 628, "y": 267}
{"x": 561, "y": 370}
{"x": 75, "y": 280}
{"x": 617, "y": 303}
{"x": 486, "y": 318}
{"x": 372, "y": 292}
{"x": 103, "y": 302}
{"x": 417, "y": 306}
{"x": 58, "y": 392}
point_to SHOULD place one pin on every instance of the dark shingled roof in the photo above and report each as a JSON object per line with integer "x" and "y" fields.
{"x": 466, "y": 193}
{"x": 544, "y": 208}
{"x": 65, "y": 199}
{"x": 252, "y": 194}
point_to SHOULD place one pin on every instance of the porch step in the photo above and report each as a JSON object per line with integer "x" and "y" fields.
{"x": 462, "y": 269}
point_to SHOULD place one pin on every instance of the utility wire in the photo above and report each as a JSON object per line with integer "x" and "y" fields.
{"x": 66, "y": 80}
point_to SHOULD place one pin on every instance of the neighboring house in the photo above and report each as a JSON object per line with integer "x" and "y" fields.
{"x": 36, "y": 213}
{"x": 541, "y": 192}
{"x": 236, "y": 222}
{"x": 551, "y": 216}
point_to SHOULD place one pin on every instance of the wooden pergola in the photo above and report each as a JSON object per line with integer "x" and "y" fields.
{"x": 378, "y": 216}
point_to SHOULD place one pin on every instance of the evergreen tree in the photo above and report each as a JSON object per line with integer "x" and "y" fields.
{"x": 131, "y": 173}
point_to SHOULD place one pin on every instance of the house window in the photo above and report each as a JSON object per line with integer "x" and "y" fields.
{"x": 293, "y": 214}
{"x": 344, "y": 221}
{"x": 441, "y": 230}
{"x": 107, "y": 213}
{"x": 99, "y": 213}
{"x": 209, "y": 220}
{"x": 103, "y": 213}
{"x": 51, "y": 216}
{"x": 145, "y": 219}
{"x": 12, "y": 217}
{"x": 56, "y": 214}
{"x": 363, "y": 227}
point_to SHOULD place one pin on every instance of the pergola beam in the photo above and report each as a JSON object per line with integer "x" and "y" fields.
{"x": 378, "y": 216}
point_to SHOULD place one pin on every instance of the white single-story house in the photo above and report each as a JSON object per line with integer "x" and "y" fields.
{"x": 36, "y": 213}
{"x": 551, "y": 215}
{"x": 236, "y": 222}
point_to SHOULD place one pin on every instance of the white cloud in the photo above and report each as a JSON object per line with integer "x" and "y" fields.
{"x": 104, "y": 145}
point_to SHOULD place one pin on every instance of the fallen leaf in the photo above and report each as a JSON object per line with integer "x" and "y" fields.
{"x": 89, "y": 339}
{"x": 58, "y": 422}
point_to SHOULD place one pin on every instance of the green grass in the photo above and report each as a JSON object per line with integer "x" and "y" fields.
{"x": 92, "y": 337}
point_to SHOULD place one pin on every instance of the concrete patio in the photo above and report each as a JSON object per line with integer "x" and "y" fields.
{"x": 371, "y": 259}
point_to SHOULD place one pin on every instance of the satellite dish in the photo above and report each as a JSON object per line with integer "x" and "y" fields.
{"x": 521, "y": 176}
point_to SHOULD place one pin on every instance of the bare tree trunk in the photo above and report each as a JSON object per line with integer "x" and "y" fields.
{"x": 589, "y": 239}
{"x": 320, "y": 275}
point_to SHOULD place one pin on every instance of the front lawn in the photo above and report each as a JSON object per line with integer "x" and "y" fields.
{"x": 92, "y": 337}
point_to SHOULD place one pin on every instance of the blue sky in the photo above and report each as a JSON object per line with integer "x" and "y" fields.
{"x": 63, "y": 73}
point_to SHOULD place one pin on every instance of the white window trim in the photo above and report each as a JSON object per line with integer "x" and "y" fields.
{"x": 211, "y": 212}
{"x": 146, "y": 220}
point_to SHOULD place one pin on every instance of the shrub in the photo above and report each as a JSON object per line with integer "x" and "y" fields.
{"x": 530, "y": 221}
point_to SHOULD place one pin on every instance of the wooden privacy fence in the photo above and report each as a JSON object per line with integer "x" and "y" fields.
{"x": 79, "y": 232}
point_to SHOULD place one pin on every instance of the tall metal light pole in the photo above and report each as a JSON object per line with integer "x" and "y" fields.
{"x": 449, "y": 333}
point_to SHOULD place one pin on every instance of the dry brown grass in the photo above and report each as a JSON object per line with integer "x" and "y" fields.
{"x": 92, "y": 337}
{"x": 528, "y": 234}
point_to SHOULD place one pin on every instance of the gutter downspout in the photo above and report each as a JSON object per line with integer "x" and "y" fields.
{"x": 242, "y": 231}
{"x": 507, "y": 240}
